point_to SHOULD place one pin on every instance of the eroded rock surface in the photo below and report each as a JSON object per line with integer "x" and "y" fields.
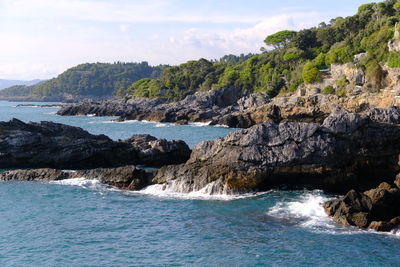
{"x": 54, "y": 145}
{"x": 347, "y": 151}
{"x": 377, "y": 209}
{"x": 127, "y": 177}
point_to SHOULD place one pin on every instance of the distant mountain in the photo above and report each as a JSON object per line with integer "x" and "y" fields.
{"x": 90, "y": 80}
{"x": 7, "y": 83}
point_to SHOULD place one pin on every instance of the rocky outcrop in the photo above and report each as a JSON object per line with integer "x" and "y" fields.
{"x": 347, "y": 151}
{"x": 127, "y": 177}
{"x": 208, "y": 106}
{"x": 158, "y": 152}
{"x": 377, "y": 209}
{"x": 54, "y": 145}
{"x": 238, "y": 110}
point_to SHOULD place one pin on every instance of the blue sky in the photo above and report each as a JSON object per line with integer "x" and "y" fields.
{"x": 42, "y": 38}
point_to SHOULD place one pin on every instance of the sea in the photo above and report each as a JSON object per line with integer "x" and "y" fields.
{"x": 85, "y": 223}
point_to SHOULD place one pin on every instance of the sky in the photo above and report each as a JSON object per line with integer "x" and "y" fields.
{"x": 42, "y": 38}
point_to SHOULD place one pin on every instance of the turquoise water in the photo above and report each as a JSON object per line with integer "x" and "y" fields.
{"x": 84, "y": 223}
{"x": 191, "y": 134}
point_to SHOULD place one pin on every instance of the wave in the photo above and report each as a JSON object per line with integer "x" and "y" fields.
{"x": 160, "y": 190}
{"x": 200, "y": 124}
{"x": 307, "y": 209}
{"x": 84, "y": 183}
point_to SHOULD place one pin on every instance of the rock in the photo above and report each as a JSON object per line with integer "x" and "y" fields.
{"x": 45, "y": 174}
{"x": 352, "y": 209}
{"x": 346, "y": 151}
{"x": 54, "y": 145}
{"x": 390, "y": 115}
{"x": 381, "y": 226}
{"x": 127, "y": 177}
{"x": 199, "y": 107}
{"x": 377, "y": 209}
{"x": 354, "y": 75}
{"x": 397, "y": 181}
{"x": 159, "y": 152}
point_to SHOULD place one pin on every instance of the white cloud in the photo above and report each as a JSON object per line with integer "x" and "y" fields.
{"x": 45, "y": 37}
{"x": 123, "y": 27}
{"x": 241, "y": 40}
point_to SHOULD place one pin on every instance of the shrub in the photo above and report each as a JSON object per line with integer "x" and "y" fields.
{"x": 292, "y": 54}
{"x": 341, "y": 93}
{"x": 375, "y": 73}
{"x": 319, "y": 61}
{"x": 342, "y": 82}
{"x": 311, "y": 73}
{"x": 328, "y": 90}
{"x": 394, "y": 59}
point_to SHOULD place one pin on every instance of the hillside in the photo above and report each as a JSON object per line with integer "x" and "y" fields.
{"x": 7, "y": 83}
{"x": 293, "y": 60}
{"x": 96, "y": 80}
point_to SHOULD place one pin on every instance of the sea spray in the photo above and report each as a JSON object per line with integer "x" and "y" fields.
{"x": 306, "y": 209}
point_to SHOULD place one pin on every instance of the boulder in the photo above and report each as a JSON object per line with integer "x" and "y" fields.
{"x": 377, "y": 209}
{"x": 352, "y": 209}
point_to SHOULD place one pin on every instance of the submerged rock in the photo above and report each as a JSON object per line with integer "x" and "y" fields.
{"x": 127, "y": 177}
{"x": 347, "y": 151}
{"x": 54, "y": 145}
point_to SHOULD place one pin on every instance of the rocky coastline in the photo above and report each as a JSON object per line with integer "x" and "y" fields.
{"x": 54, "y": 145}
{"x": 344, "y": 151}
{"x": 235, "y": 109}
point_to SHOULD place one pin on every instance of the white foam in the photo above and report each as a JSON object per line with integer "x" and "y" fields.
{"x": 200, "y": 124}
{"x": 84, "y": 183}
{"x": 307, "y": 209}
{"x": 159, "y": 124}
{"x": 205, "y": 193}
{"x": 221, "y": 126}
{"x": 91, "y": 115}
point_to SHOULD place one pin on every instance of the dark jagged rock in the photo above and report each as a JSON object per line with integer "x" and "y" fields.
{"x": 390, "y": 115}
{"x": 159, "y": 152}
{"x": 127, "y": 177}
{"x": 54, "y": 145}
{"x": 352, "y": 209}
{"x": 208, "y": 106}
{"x": 44, "y": 174}
{"x": 377, "y": 209}
{"x": 346, "y": 151}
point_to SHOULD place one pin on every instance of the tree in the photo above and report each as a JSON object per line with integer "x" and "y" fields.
{"x": 319, "y": 61}
{"x": 292, "y": 54}
{"x": 305, "y": 39}
{"x": 279, "y": 39}
{"x": 397, "y": 5}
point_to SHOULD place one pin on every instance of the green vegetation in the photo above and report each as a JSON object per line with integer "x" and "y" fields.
{"x": 97, "y": 79}
{"x": 328, "y": 90}
{"x": 394, "y": 59}
{"x": 296, "y": 58}
{"x": 341, "y": 93}
{"x": 292, "y": 59}
{"x": 280, "y": 39}
{"x": 342, "y": 83}
{"x": 311, "y": 73}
